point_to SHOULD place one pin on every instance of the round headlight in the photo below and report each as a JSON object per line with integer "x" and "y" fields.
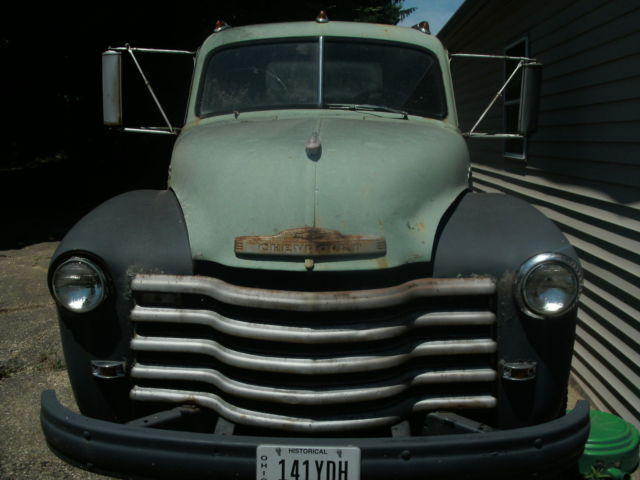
{"x": 548, "y": 285}
{"x": 79, "y": 285}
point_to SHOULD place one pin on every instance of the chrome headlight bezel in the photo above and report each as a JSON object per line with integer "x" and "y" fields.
{"x": 530, "y": 266}
{"x": 99, "y": 293}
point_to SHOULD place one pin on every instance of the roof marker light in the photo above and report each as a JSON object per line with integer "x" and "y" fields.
{"x": 220, "y": 25}
{"x": 322, "y": 17}
{"x": 423, "y": 26}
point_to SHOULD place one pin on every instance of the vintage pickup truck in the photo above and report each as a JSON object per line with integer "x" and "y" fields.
{"x": 318, "y": 293}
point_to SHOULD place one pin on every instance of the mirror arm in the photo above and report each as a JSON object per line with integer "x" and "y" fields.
{"x": 156, "y": 130}
{"x": 153, "y": 95}
{"x": 495, "y": 99}
{"x": 152, "y": 50}
{"x": 523, "y": 62}
{"x": 495, "y": 57}
{"x": 493, "y": 136}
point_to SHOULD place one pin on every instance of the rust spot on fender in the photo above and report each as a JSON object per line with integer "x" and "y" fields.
{"x": 382, "y": 262}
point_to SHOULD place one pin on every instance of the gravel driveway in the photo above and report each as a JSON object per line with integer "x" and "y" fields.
{"x": 30, "y": 361}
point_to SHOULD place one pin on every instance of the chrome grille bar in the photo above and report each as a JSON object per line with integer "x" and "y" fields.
{"x": 350, "y": 332}
{"x": 281, "y": 422}
{"x": 271, "y": 331}
{"x": 314, "y": 301}
{"x": 311, "y": 366}
{"x": 311, "y": 396}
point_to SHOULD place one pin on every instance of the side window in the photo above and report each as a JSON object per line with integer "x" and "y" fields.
{"x": 515, "y": 148}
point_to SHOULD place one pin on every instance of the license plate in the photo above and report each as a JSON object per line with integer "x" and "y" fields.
{"x": 294, "y": 462}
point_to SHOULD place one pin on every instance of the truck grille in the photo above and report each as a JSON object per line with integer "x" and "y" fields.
{"x": 314, "y": 361}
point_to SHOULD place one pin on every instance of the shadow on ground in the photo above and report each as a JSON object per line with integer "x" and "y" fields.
{"x": 40, "y": 202}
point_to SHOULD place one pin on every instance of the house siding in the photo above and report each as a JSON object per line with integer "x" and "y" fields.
{"x": 582, "y": 167}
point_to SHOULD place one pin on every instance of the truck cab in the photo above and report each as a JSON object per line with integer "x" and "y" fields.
{"x": 318, "y": 292}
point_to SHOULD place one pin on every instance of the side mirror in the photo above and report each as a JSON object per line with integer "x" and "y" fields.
{"x": 530, "y": 98}
{"x": 112, "y": 88}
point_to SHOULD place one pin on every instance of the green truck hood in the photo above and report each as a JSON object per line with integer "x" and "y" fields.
{"x": 377, "y": 175}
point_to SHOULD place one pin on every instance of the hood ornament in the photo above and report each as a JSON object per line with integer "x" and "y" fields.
{"x": 313, "y": 147}
{"x": 311, "y": 242}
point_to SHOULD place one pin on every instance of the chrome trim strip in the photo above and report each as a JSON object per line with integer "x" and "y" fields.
{"x": 320, "y": 70}
{"x": 479, "y": 401}
{"x": 310, "y": 242}
{"x": 309, "y": 396}
{"x": 258, "y": 419}
{"x": 279, "y": 333}
{"x": 314, "y": 301}
{"x": 312, "y": 366}
{"x": 282, "y": 422}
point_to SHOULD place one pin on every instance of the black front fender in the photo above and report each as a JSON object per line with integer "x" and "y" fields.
{"x": 490, "y": 234}
{"x": 139, "y": 231}
{"x": 494, "y": 234}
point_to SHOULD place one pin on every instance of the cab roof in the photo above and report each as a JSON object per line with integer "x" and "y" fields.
{"x": 371, "y": 31}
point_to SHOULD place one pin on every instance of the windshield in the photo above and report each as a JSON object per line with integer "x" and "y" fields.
{"x": 348, "y": 72}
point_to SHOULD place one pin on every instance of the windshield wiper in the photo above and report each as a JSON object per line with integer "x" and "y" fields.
{"x": 366, "y": 107}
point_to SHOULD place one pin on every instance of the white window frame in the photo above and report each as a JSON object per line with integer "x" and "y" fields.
{"x": 520, "y": 155}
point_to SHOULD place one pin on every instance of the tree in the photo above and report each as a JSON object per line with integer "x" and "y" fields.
{"x": 383, "y": 12}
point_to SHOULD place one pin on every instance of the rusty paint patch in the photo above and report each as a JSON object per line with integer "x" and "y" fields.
{"x": 417, "y": 227}
{"x": 382, "y": 262}
{"x": 310, "y": 242}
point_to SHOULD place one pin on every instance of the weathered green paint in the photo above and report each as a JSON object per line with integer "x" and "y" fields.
{"x": 379, "y": 174}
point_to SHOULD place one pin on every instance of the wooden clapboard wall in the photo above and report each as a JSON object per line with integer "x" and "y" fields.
{"x": 582, "y": 166}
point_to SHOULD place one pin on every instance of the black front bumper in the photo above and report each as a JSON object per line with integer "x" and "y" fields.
{"x": 138, "y": 452}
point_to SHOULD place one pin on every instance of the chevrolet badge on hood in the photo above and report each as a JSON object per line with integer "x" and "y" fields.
{"x": 310, "y": 242}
